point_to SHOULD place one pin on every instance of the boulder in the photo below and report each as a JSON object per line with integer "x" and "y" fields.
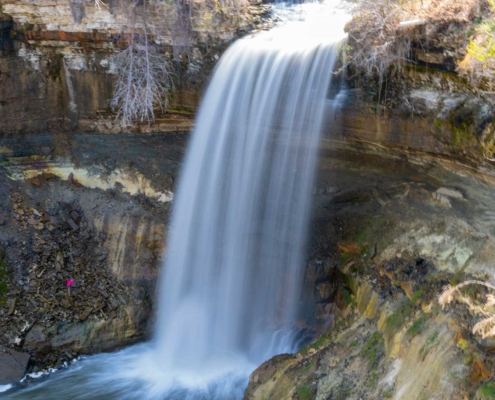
{"x": 37, "y": 340}
{"x": 13, "y": 365}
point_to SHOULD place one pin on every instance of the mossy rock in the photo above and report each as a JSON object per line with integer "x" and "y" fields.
{"x": 486, "y": 391}
{"x": 4, "y": 278}
{"x": 305, "y": 393}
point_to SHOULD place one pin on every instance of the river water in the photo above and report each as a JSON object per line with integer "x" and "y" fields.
{"x": 229, "y": 294}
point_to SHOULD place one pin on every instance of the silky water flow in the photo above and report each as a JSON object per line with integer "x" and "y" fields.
{"x": 230, "y": 287}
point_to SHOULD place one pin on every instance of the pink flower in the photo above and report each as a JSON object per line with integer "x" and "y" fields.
{"x": 69, "y": 283}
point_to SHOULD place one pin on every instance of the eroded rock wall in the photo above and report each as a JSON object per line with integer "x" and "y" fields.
{"x": 57, "y": 71}
{"x": 394, "y": 230}
{"x": 423, "y": 100}
{"x": 75, "y": 209}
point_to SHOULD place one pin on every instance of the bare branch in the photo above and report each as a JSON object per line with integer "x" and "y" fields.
{"x": 485, "y": 327}
{"x": 143, "y": 81}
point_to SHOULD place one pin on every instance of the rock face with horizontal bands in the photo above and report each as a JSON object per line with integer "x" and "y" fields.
{"x": 57, "y": 70}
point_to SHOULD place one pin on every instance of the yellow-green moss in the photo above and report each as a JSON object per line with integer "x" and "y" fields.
{"x": 428, "y": 344}
{"x": 4, "y": 278}
{"x": 417, "y": 326}
{"x": 486, "y": 391}
{"x": 372, "y": 348}
{"x": 305, "y": 393}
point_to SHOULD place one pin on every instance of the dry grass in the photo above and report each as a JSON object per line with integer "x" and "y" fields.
{"x": 100, "y": 5}
{"x": 435, "y": 11}
{"x": 486, "y": 326}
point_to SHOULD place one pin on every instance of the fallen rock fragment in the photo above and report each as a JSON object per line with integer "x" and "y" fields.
{"x": 84, "y": 316}
{"x": 13, "y": 365}
{"x": 443, "y": 200}
{"x": 72, "y": 224}
{"x": 452, "y": 193}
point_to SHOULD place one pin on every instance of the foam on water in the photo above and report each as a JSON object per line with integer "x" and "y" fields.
{"x": 4, "y": 388}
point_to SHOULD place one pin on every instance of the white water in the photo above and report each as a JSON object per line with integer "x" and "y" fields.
{"x": 230, "y": 288}
{"x": 231, "y": 284}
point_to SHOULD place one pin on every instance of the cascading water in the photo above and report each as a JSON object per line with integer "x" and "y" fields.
{"x": 233, "y": 267}
{"x": 230, "y": 288}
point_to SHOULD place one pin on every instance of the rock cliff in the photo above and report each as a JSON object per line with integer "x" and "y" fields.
{"x": 57, "y": 72}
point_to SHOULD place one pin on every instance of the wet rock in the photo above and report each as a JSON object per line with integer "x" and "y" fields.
{"x": 452, "y": 193}
{"x": 75, "y": 216}
{"x": 263, "y": 373}
{"x": 443, "y": 200}
{"x": 84, "y": 316}
{"x": 325, "y": 311}
{"x": 325, "y": 290}
{"x": 37, "y": 340}
{"x": 32, "y": 221}
{"x": 72, "y": 224}
{"x": 12, "y": 306}
{"x": 13, "y": 365}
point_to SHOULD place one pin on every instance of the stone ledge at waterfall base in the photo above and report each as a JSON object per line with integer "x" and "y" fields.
{"x": 13, "y": 365}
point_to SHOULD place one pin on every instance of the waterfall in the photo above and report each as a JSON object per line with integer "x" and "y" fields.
{"x": 230, "y": 286}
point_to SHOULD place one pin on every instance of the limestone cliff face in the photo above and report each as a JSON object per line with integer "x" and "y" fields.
{"x": 424, "y": 101}
{"x": 56, "y": 69}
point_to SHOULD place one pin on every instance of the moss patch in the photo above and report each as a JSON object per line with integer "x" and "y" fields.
{"x": 417, "y": 326}
{"x": 373, "y": 349}
{"x": 305, "y": 393}
{"x": 486, "y": 391}
{"x": 428, "y": 345}
{"x": 399, "y": 317}
{"x": 4, "y": 279}
{"x": 326, "y": 338}
{"x": 396, "y": 320}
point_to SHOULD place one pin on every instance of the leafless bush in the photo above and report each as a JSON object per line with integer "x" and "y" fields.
{"x": 378, "y": 41}
{"x": 486, "y": 326}
{"x": 143, "y": 81}
{"x": 374, "y": 37}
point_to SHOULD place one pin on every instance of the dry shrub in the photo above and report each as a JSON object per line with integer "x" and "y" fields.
{"x": 375, "y": 44}
{"x": 377, "y": 40}
{"x": 486, "y": 326}
{"x": 144, "y": 81}
{"x": 439, "y": 11}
